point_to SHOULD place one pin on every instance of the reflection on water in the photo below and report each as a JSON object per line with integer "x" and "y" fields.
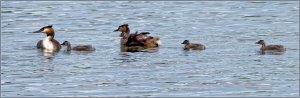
{"x": 49, "y": 53}
{"x": 270, "y": 52}
{"x": 150, "y": 50}
{"x": 126, "y": 57}
{"x": 124, "y": 48}
{"x": 232, "y": 64}
{"x": 67, "y": 52}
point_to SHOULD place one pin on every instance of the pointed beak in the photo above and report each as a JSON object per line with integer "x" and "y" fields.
{"x": 116, "y": 30}
{"x": 38, "y": 31}
{"x": 256, "y": 43}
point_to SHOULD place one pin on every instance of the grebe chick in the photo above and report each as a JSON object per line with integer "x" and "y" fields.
{"x": 272, "y": 48}
{"x": 79, "y": 47}
{"x": 192, "y": 46}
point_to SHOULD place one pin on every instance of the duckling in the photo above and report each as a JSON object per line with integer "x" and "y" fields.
{"x": 79, "y": 47}
{"x": 48, "y": 42}
{"x": 136, "y": 39}
{"x": 271, "y": 48}
{"x": 192, "y": 46}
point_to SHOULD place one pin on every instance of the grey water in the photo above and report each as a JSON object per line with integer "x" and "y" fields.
{"x": 230, "y": 66}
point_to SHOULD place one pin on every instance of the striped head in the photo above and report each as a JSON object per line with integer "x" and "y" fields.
{"x": 47, "y": 29}
{"x": 123, "y": 28}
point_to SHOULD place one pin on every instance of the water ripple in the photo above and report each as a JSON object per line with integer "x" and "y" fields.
{"x": 230, "y": 66}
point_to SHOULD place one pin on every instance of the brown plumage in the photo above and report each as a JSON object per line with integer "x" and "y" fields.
{"x": 49, "y": 42}
{"x": 137, "y": 39}
{"x": 151, "y": 42}
{"x": 274, "y": 48}
{"x": 79, "y": 47}
{"x": 192, "y": 46}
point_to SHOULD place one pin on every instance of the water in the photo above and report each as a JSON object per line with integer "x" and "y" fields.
{"x": 230, "y": 66}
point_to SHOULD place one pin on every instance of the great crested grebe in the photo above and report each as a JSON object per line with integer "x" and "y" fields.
{"x": 136, "y": 39}
{"x": 48, "y": 43}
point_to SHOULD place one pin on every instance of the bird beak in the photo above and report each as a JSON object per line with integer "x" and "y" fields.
{"x": 116, "y": 30}
{"x": 38, "y": 31}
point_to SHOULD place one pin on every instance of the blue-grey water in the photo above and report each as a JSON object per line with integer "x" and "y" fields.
{"x": 230, "y": 66}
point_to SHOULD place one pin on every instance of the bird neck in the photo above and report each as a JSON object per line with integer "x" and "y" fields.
{"x": 263, "y": 46}
{"x": 188, "y": 43}
{"x": 50, "y": 36}
{"x": 69, "y": 47}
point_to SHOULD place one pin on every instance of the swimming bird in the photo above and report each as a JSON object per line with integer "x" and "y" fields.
{"x": 192, "y": 46}
{"x": 270, "y": 48}
{"x": 48, "y": 43}
{"x": 79, "y": 47}
{"x": 138, "y": 39}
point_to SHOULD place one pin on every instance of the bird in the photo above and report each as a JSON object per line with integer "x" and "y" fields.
{"x": 48, "y": 43}
{"x": 192, "y": 46}
{"x": 139, "y": 40}
{"x": 79, "y": 47}
{"x": 270, "y": 48}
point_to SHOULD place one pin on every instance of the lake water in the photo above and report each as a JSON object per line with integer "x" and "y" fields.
{"x": 230, "y": 66}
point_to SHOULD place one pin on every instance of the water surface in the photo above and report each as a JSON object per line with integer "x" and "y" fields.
{"x": 230, "y": 66}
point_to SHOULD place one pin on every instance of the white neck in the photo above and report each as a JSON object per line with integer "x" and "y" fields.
{"x": 47, "y": 43}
